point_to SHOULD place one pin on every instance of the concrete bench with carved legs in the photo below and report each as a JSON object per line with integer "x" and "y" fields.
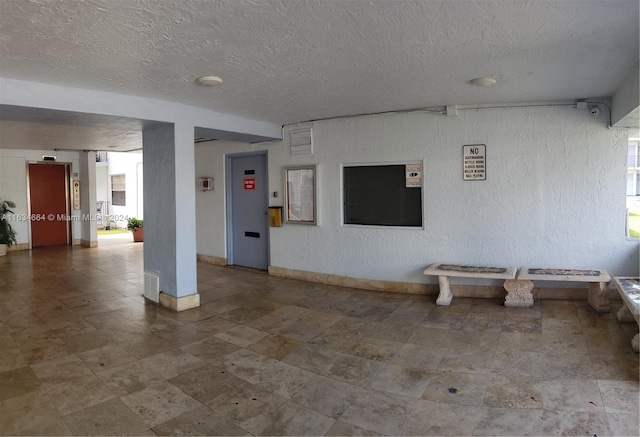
{"x": 629, "y": 289}
{"x": 519, "y": 290}
{"x": 444, "y": 271}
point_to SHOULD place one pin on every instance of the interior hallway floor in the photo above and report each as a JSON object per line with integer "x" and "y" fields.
{"x": 83, "y": 354}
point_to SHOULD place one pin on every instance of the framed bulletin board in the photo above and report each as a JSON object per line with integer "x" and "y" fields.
{"x": 300, "y": 193}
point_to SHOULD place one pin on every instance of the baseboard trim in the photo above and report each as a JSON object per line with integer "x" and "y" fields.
{"x": 473, "y": 291}
{"x": 215, "y": 260}
{"x": 21, "y": 246}
{"x": 363, "y": 284}
{"x": 180, "y": 303}
{"x": 90, "y": 244}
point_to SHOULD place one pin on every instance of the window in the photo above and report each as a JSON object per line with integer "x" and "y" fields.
{"x": 118, "y": 196}
{"x": 633, "y": 189}
{"x": 378, "y": 195}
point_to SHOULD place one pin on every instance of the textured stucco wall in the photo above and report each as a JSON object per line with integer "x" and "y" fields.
{"x": 554, "y": 195}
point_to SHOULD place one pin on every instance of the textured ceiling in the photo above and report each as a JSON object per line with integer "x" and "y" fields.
{"x": 290, "y": 60}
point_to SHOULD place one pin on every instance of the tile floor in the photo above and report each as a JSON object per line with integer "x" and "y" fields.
{"x": 83, "y": 354}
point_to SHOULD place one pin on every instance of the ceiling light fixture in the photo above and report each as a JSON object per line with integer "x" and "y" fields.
{"x": 482, "y": 81}
{"x": 208, "y": 81}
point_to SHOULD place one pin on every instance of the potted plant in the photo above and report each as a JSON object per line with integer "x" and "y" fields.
{"x": 7, "y": 234}
{"x": 135, "y": 225}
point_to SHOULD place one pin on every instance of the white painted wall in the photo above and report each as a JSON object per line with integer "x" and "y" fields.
{"x": 554, "y": 195}
{"x": 129, "y": 164}
{"x": 626, "y": 101}
{"x": 13, "y": 183}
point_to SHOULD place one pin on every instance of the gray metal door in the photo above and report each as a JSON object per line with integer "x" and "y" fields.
{"x": 249, "y": 220}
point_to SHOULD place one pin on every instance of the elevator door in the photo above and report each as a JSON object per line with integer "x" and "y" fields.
{"x": 49, "y": 204}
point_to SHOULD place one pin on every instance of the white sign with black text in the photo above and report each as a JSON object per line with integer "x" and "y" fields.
{"x": 474, "y": 162}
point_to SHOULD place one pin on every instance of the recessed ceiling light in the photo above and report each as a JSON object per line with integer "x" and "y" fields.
{"x": 482, "y": 81}
{"x": 113, "y": 146}
{"x": 208, "y": 81}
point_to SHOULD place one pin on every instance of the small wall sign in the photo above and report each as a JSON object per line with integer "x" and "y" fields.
{"x": 413, "y": 175}
{"x": 474, "y": 162}
{"x": 249, "y": 184}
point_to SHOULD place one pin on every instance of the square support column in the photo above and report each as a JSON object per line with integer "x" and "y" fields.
{"x": 88, "y": 203}
{"x": 169, "y": 211}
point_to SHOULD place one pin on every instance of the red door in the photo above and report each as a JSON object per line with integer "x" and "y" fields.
{"x": 47, "y": 184}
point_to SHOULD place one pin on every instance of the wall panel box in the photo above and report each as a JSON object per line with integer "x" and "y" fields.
{"x": 275, "y": 216}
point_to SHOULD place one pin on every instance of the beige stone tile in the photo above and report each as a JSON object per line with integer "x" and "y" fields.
{"x": 518, "y": 364}
{"x": 43, "y": 350}
{"x": 405, "y": 381}
{"x": 431, "y": 337}
{"x": 173, "y": 363}
{"x": 242, "y": 335}
{"x": 87, "y": 341}
{"x": 624, "y": 424}
{"x": 301, "y": 331}
{"x": 440, "y": 320}
{"x": 110, "y": 418}
{"x": 201, "y": 421}
{"x": 269, "y": 323}
{"x": 432, "y": 418}
{"x": 17, "y": 382}
{"x": 62, "y": 369}
{"x": 380, "y": 412}
{"x": 482, "y": 323}
{"x": 247, "y": 406}
{"x": 146, "y": 346}
{"x": 246, "y": 364}
{"x": 159, "y": 402}
{"x": 206, "y": 382}
{"x": 561, "y": 326}
{"x": 510, "y": 422}
{"x": 372, "y": 349}
{"x": 282, "y": 379}
{"x": 351, "y": 326}
{"x": 275, "y": 346}
{"x": 354, "y": 370}
{"x": 414, "y": 355}
{"x": 129, "y": 378}
{"x": 327, "y": 396}
{"x": 291, "y": 312}
{"x": 313, "y": 358}
{"x": 406, "y": 318}
{"x": 457, "y": 388}
{"x": 530, "y": 342}
{"x": 575, "y": 423}
{"x": 210, "y": 348}
{"x": 214, "y": 325}
{"x": 621, "y": 366}
{"x": 564, "y": 343}
{"x": 514, "y": 392}
{"x": 468, "y": 360}
{"x": 11, "y": 358}
{"x": 567, "y": 365}
{"x": 105, "y": 357}
{"x": 572, "y": 395}
{"x": 340, "y": 428}
{"x": 295, "y": 420}
{"x": 78, "y": 393}
{"x": 183, "y": 335}
{"x": 524, "y": 325}
{"x": 620, "y": 396}
{"x": 392, "y": 332}
{"x": 217, "y": 307}
{"x": 480, "y": 340}
{"x": 31, "y": 413}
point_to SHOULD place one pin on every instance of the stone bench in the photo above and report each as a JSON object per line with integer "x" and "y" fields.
{"x": 629, "y": 289}
{"x": 598, "y": 294}
{"x": 444, "y": 271}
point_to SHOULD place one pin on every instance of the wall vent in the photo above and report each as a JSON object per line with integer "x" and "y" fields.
{"x": 302, "y": 141}
{"x": 152, "y": 287}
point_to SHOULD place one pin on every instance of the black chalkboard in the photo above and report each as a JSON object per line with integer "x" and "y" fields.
{"x": 378, "y": 195}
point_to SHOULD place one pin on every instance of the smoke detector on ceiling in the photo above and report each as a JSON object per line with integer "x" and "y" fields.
{"x": 483, "y": 81}
{"x": 208, "y": 81}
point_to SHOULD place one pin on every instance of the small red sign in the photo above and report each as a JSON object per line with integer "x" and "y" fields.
{"x": 249, "y": 183}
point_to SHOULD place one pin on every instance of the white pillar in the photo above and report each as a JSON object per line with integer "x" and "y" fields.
{"x": 169, "y": 211}
{"x": 89, "y": 230}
